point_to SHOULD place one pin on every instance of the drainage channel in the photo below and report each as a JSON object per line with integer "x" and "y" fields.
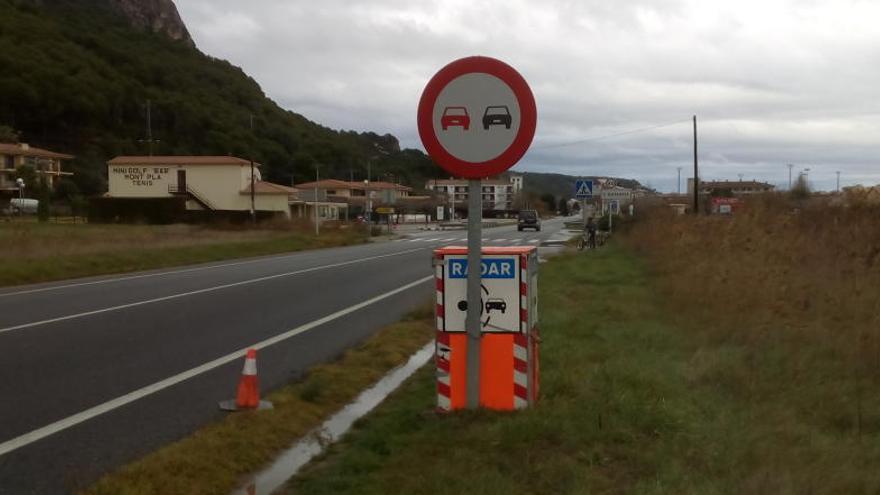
{"x": 290, "y": 461}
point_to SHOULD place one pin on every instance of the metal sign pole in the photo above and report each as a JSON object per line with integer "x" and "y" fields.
{"x": 474, "y": 304}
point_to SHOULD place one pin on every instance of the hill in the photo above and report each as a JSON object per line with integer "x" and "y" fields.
{"x": 78, "y": 77}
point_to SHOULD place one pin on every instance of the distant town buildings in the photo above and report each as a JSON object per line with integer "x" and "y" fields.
{"x": 498, "y": 195}
{"x": 44, "y": 162}
{"x": 356, "y": 193}
{"x": 735, "y": 187}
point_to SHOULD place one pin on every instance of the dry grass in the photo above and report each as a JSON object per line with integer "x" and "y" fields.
{"x": 738, "y": 356}
{"x": 35, "y": 252}
{"x": 214, "y": 459}
{"x": 785, "y": 301}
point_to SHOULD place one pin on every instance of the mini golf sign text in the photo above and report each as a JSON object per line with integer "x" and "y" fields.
{"x": 477, "y": 117}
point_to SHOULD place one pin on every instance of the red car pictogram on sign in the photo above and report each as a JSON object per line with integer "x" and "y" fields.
{"x": 455, "y": 116}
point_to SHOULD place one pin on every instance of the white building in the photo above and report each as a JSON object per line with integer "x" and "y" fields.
{"x": 214, "y": 183}
{"x": 497, "y": 194}
{"x": 44, "y": 162}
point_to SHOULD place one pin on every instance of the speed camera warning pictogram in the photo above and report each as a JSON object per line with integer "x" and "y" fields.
{"x": 477, "y": 117}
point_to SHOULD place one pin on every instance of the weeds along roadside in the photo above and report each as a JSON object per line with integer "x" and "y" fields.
{"x": 45, "y": 252}
{"x": 792, "y": 292}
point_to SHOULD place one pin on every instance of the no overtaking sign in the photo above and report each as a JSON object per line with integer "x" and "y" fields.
{"x": 477, "y": 117}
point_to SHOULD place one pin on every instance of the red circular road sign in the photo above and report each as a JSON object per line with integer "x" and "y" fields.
{"x": 477, "y": 117}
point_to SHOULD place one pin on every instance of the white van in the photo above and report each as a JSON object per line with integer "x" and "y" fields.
{"x": 23, "y": 205}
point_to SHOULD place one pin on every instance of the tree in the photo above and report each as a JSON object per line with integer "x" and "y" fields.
{"x": 563, "y": 207}
{"x": 801, "y": 189}
{"x": 45, "y": 197}
{"x": 549, "y": 200}
{"x": 8, "y": 135}
{"x": 29, "y": 175}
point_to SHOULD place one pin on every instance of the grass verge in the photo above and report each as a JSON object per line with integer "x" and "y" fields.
{"x": 214, "y": 459}
{"x": 44, "y": 252}
{"x": 632, "y": 403}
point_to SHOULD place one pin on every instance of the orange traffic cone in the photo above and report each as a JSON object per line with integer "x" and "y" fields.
{"x": 248, "y": 394}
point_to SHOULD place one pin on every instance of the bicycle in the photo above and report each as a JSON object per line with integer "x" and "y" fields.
{"x": 587, "y": 239}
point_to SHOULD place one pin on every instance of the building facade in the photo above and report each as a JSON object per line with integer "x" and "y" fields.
{"x": 737, "y": 187}
{"x": 208, "y": 183}
{"x": 44, "y": 162}
{"x": 498, "y": 195}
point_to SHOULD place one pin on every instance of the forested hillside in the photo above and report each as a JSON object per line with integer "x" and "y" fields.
{"x": 77, "y": 77}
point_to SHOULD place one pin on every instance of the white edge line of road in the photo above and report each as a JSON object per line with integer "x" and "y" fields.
{"x": 63, "y": 424}
{"x": 148, "y": 275}
{"x": 201, "y": 291}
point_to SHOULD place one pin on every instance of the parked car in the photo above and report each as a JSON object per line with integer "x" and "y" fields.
{"x": 528, "y": 219}
{"x": 455, "y": 116}
{"x": 497, "y": 115}
{"x": 23, "y": 205}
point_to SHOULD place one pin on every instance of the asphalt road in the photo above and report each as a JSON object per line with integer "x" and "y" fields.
{"x": 98, "y": 372}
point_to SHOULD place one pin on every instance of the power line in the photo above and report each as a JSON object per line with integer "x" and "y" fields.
{"x": 597, "y": 138}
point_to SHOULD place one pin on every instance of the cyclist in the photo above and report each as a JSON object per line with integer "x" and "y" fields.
{"x": 590, "y": 232}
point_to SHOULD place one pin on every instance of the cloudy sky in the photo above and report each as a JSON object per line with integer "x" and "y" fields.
{"x": 771, "y": 82}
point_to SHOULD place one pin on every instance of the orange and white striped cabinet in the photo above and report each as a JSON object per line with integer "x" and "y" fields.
{"x": 509, "y": 371}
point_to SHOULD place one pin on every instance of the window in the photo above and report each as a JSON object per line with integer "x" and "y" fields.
{"x": 9, "y": 161}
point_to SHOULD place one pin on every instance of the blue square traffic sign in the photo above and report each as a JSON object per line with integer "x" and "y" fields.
{"x": 583, "y": 189}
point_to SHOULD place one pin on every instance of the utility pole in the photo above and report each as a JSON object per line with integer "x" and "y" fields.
{"x": 696, "y": 173}
{"x": 351, "y": 185}
{"x": 838, "y": 180}
{"x": 790, "y": 166}
{"x": 149, "y": 139}
{"x": 317, "y": 179}
{"x": 679, "y": 180}
{"x": 452, "y": 213}
{"x": 253, "y": 179}
{"x": 149, "y": 129}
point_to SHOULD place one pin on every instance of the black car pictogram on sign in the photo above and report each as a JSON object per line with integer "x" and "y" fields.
{"x": 496, "y": 304}
{"x": 497, "y": 115}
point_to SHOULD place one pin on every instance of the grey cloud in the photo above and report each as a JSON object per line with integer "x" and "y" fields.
{"x": 772, "y": 82}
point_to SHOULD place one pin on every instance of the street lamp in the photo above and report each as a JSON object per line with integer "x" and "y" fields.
{"x": 20, "y": 183}
{"x": 679, "y": 180}
{"x": 369, "y": 206}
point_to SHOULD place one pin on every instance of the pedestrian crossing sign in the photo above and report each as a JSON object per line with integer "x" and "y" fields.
{"x": 583, "y": 189}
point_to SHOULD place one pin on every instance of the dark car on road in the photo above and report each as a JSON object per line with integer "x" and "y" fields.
{"x": 455, "y": 116}
{"x": 528, "y": 219}
{"x": 497, "y": 115}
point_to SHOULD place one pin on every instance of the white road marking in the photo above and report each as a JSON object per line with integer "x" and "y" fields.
{"x": 533, "y": 241}
{"x": 201, "y": 291}
{"x": 416, "y": 240}
{"x": 500, "y": 240}
{"x": 146, "y": 275}
{"x": 40, "y": 433}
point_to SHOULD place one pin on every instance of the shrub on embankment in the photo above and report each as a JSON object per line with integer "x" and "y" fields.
{"x": 792, "y": 290}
